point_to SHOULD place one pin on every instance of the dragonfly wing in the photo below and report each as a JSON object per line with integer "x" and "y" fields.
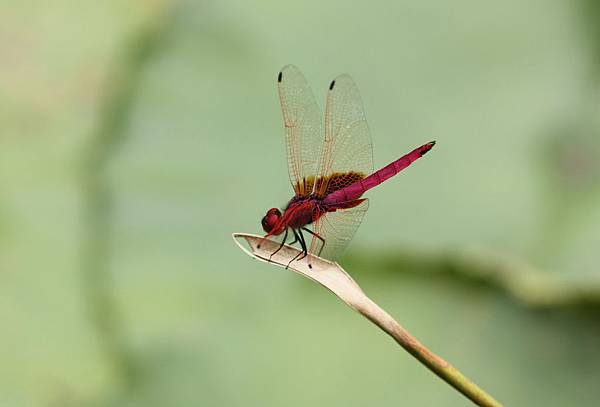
{"x": 303, "y": 128}
{"x": 337, "y": 229}
{"x": 347, "y": 146}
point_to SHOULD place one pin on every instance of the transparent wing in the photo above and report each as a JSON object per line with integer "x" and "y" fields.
{"x": 347, "y": 146}
{"x": 303, "y": 128}
{"x": 337, "y": 229}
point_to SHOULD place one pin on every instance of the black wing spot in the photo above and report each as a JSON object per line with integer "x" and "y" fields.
{"x": 279, "y": 76}
{"x": 331, "y": 86}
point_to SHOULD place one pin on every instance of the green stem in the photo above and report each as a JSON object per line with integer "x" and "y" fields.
{"x": 433, "y": 362}
{"x": 331, "y": 276}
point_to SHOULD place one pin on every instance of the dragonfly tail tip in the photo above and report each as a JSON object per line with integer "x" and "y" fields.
{"x": 425, "y": 149}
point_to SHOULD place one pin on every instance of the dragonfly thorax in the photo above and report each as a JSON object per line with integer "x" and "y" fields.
{"x": 301, "y": 211}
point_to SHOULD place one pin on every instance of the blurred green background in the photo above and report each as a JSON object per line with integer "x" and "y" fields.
{"x": 136, "y": 136}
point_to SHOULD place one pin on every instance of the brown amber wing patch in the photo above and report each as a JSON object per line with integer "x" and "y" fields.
{"x": 336, "y": 181}
{"x": 304, "y": 187}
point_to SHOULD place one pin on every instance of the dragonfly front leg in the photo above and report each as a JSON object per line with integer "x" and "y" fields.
{"x": 281, "y": 245}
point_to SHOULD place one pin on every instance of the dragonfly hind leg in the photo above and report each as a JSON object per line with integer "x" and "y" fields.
{"x": 318, "y": 237}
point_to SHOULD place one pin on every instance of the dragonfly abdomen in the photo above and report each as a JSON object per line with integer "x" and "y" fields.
{"x": 355, "y": 190}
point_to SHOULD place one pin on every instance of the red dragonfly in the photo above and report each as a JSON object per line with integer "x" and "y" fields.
{"x": 329, "y": 173}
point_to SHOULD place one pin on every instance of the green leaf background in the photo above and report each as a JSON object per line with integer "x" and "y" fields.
{"x": 136, "y": 136}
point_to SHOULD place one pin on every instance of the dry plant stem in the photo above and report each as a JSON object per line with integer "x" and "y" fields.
{"x": 334, "y": 278}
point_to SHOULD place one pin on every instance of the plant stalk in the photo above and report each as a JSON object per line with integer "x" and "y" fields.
{"x": 333, "y": 277}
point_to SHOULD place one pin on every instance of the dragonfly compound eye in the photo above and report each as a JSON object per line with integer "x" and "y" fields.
{"x": 270, "y": 219}
{"x": 265, "y": 224}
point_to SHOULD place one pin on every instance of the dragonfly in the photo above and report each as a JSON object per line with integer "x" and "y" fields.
{"x": 330, "y": 166}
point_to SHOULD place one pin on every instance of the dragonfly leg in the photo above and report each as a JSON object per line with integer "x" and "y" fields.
{"x": 295, "y": 237}
{"x": 318, "y": 237}
{"x": 304, "y": 247}
{"x": 304, "y": 252}
{"x": 281, "y": 245}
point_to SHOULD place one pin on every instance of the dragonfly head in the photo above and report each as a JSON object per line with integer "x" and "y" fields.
{"x": 270, "y": 219}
